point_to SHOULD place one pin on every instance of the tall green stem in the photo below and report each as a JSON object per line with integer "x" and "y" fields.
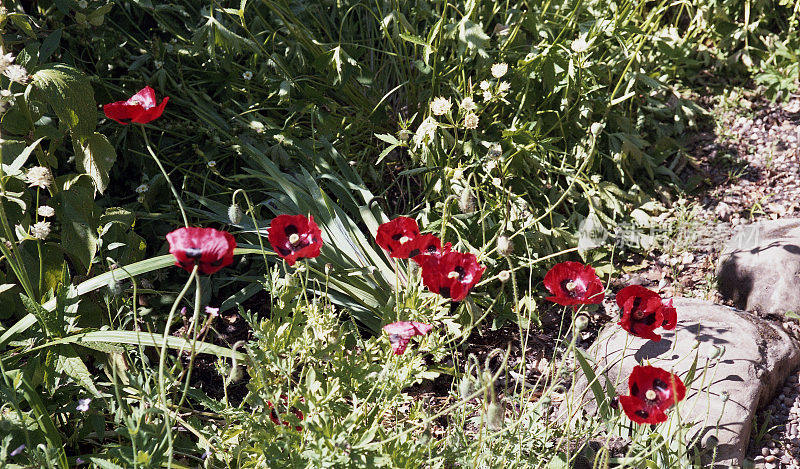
{"x": 166, "y": 176}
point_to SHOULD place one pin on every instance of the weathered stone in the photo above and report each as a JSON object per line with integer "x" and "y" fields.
{"x": 759, "y": 268}
{"x": 756, "y": 358}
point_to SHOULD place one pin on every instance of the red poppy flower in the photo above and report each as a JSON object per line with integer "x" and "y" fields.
{"x": 652, "y": 392}
{"x": 273, "y": 414}
{"x": 670, "y": 315}
{"x": 210, "y": 249}
{"x": 398, "y": 237}
{"x": 141, "y": 108}
{"x": 428, "y": 245}
{"x": 572, "y": 283}
{"x": 643, "y": 311}
{"x": 295, "y": 237}
{"x": 452, "y": 274}
{"x": 401, "y": 332}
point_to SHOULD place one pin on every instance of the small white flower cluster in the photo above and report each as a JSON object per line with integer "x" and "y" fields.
{"x": 426, "y": 132}
{"x": 45, "y": 211}
{"x": 441, "y": 106}
{"x": 39, "y": 176}
{"x": 468, "y": 106}
{"x": 40, "y": 230}
{"x": 501, "y": 89}
{"x": 12, "y": 71}
{"x": 247, "y": 75}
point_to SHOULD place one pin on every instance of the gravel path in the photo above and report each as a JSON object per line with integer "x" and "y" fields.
{"x": 744, "y": 169}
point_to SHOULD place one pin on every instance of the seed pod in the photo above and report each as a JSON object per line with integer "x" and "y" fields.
{"x": 466, "y": 202}
{"x": 465, "y": 387}
{"x": 495, "y": 414}
{"x": 581, "y": 323}
{"x": 504, "y": 246}
{"x": 235, "y": 214}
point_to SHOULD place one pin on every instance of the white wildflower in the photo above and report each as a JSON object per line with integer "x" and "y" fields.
{"x": 158, "y": 63}
{"x": 5, "y": 60}
{"x": 487, "y": 96}
{"x": 580, "y": 45}
{"x": 213, "y": 312}
{"x": 83, "y": 405}
{"x": 499, "y": 70}
{"x": 45, "y": 211}
{"x": 426, "y": 131}
{"x": 257, "y": 127}
{"x": 503, "y": 87}
{"x": 39, "y": 176}
{"x": 83, "y": 4}
{"x": 16, "y": 73}
{"x": 247, "y": 75}
{"x": 440, "y": 106}
{"x": 142, "y": 188}
{"x": 485, "y": 85}
{"x": 495, "y": 150}
{"x": 471, "y": 121}
{"x": 40, "y": 230}
{"x": 468, "y": 104}
{"x": 212, "y": 164}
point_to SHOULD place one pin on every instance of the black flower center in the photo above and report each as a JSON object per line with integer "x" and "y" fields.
{"x": 290, "y": 230}
{"x": 642, "y": 413}
{"x": 572, "y": 288}
{"x": 194, "y": 253}
{"x": 460, "y": 271}
{"x": 445, "y": 292}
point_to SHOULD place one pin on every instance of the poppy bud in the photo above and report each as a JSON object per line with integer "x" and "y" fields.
{"x": 495, "y": 414}
{"x": 466, "y": 202}
{"x": 503, "y": 276}
{"x": 115, "y": 287}
{"x": 581, "y": 323}
{"x": 235, "y": 214}
{"x": 504, "y": 246}
{"x": 465, "y": 387}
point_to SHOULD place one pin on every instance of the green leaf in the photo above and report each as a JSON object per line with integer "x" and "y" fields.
{"x": 74, "y": 367}
{"x": 49, "y": 45}
{"x": 69, "y": 93}
{"x": 96, "y": 159}
{"x": 47, "y": 319}
{"x": 146, "y": 339}
{"x": 594, "y": 384}
{"x": 9, "y": 146}
{"x": 75, "y": 209}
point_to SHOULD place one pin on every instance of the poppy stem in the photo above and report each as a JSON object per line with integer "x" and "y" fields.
{"x": 163, "y": 356}
{"x": 166, "y": 176}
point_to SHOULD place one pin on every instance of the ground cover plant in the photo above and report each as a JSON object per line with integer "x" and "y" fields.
{"x": 267, "y": 233}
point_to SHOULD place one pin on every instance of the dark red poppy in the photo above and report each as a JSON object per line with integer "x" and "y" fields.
{"x": 208, "y": 248}
{"x": 295, "y": 237}
{"x": 398, "y": 237}
{"x": 141, "y": 108}
{"x": 572, "y": 283}
{"x": 273, "y": 414}
{"x": 652, "y": 391}
{"x": 452, "y": 274}
{"x": 670, "y": 315}
{"x": 643, "y": 311}
{"x": 401, "y": 332}
{"x": 428, "y": 245}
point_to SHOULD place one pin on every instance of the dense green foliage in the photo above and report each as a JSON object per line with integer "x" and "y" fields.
{"x": 353, "y": 112}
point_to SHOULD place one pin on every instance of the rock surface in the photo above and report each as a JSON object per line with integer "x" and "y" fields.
{"x": 759, "y": 268}
{"x": 748, "y": 359}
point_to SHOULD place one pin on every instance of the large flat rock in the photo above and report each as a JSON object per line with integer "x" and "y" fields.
{"x": 758, "y": 356}
{"x": 759, "y": 268}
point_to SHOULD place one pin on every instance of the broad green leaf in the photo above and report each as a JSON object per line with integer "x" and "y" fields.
{"x": 49, "y": 45}
{"x": 9, "y": 146}
{"x": 145, "y": 339}
{"x": 96, "y": 159}
{"x": 69, "y": 93}
{"x": 76, "y": 369}
{"x": 75, "y": 209}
